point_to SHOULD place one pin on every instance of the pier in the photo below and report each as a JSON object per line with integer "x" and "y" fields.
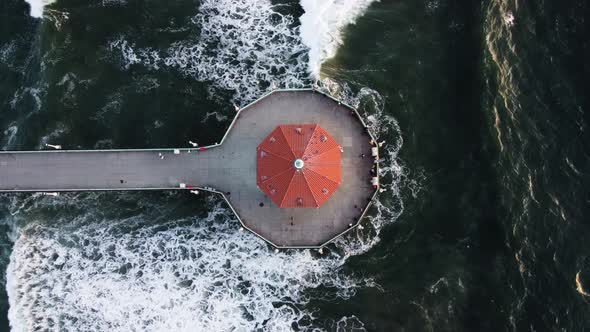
{"x": 228, "y": 169}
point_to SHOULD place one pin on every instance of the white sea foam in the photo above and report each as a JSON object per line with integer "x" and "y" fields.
{"x": 509, "y": 19}
{"x": 112, "y": 107}
{"x": 9, "y": 137}
{"x": 432, "y": 6}
{"x": 204, "y": 276}
{"x": 28, "y": 93}
{"x": 352, "y": 324}
{"x": 219, "y": 117}
{"x": 37, "y": 6}
{"x": 385, "y": 129}
{"x": 7, "y": 52}
{"x": 243, "y": 46}
{"x": 322, "y": 27}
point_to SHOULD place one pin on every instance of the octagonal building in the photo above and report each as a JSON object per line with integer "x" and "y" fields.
{"x": 298, "y": 166}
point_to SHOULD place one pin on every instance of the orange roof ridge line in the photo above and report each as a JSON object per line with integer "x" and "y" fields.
{"x": 336, "y": 179}
{"x": 276, "y": 155}
{"x": 308, "y": 185}
{"x": 289, "y": 186}
{"x": 279, "y": 133}
{"x": 287, "y": 140}
{"x": 306, "y": 181}
{"x": 317, "y": 204}
{"x": 315, "y": 128}
{"x": 322, "y": 176}
{"x": 305, "y": 143}
{"x": 310, "y": 160}
{"x": 274, "y": 176}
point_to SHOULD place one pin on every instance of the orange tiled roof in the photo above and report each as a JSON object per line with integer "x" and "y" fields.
{"x": 311, "y": 184}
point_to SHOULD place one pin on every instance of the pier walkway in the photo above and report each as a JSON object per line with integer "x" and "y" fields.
{"x": 228, "y": 168}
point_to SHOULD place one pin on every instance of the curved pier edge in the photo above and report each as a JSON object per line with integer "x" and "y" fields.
{"x": 365, "y": 210}
{"x": 355, "y": 225}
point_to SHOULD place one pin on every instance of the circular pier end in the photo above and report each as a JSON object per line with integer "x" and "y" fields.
{"x": 232, "y": 167}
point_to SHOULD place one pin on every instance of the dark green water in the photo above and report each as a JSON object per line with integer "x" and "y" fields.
{"x": 483, "y": 109}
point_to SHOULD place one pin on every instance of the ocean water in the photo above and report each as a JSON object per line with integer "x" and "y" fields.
{"x": 481, "y": 105}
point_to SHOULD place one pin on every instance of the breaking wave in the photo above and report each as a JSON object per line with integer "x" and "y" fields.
{"x": 322, "y": 27}
{"x": 248, "y": 47}
{"x": 37, "y": 7}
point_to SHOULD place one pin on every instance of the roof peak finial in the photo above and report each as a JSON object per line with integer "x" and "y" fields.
{"x": 298, "y": 163}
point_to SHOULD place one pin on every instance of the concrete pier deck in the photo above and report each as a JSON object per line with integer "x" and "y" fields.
{"x": 228, "y": 168}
